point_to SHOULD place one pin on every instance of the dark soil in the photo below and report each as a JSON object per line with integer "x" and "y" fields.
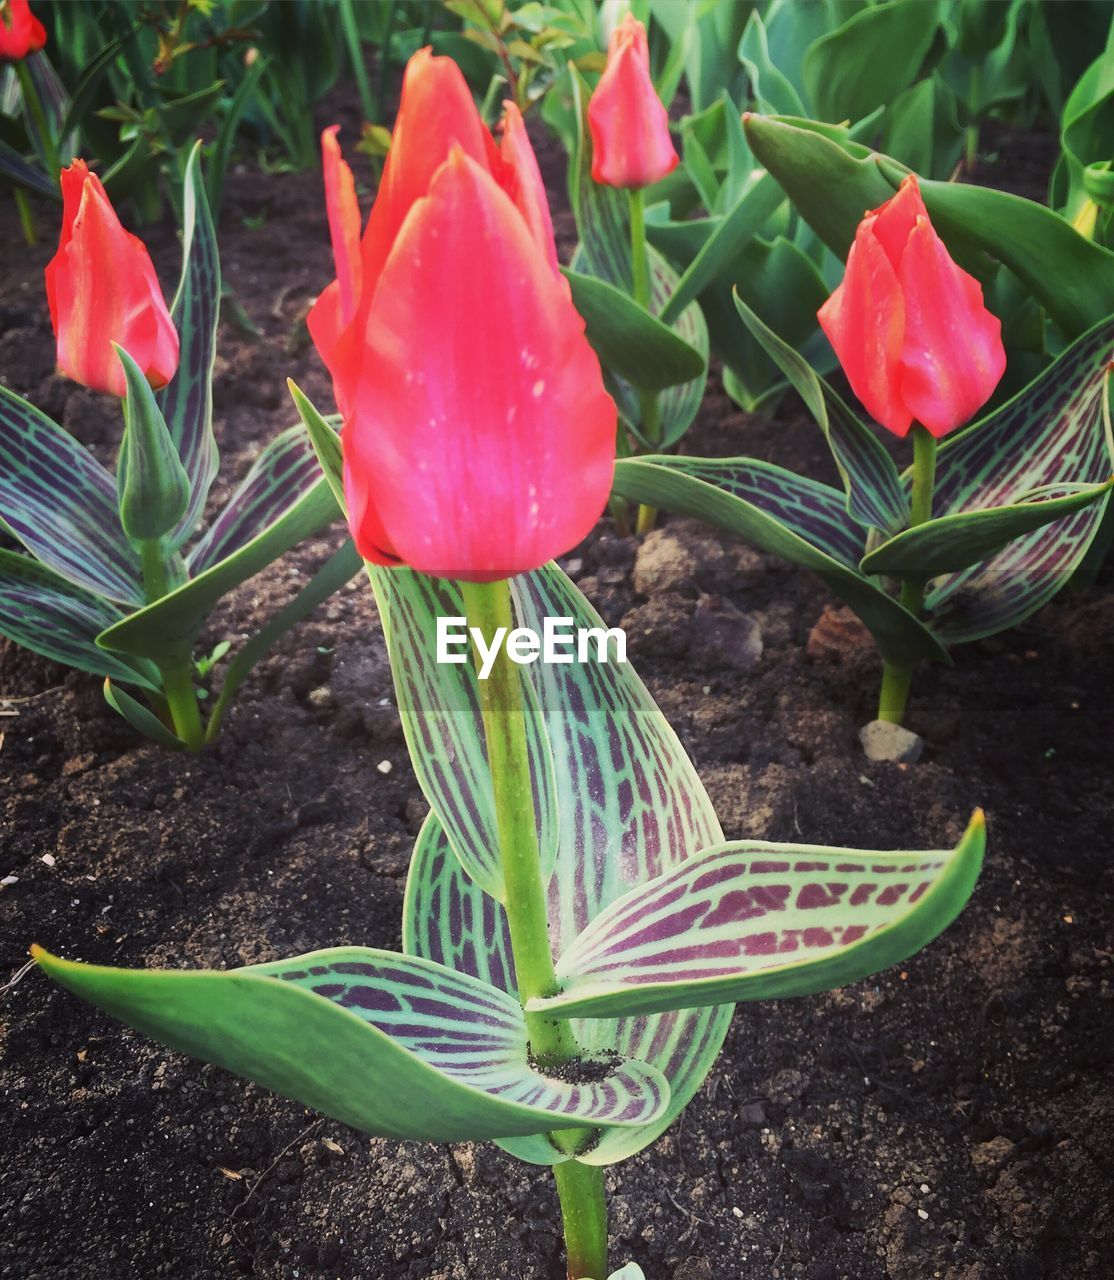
{"x": 951, "y": 1118}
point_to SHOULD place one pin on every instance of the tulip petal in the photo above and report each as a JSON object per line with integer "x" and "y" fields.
{"x": 482, "y": 429}
{"x": 528, "y": 190}
{"x": 72, "y": 180}
{"x": 952, "y": 358}
{"x": 894, "y": 221}
{"x": 344, "y": 221}
{"x": 631, "y": 143}
{"x": 436, "y": 112}
{"x": 864, "y": 320}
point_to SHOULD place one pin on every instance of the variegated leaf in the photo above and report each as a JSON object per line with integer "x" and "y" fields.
{"x": 281, "y": 475}
{"x": 440, "y": 711}
{"x": 1054, "y": 432}
{"x": 393, "y": 1045}
{"x": 781, "y": 513}
{"x": 757, "y": 921}
{"x": 629, "y": 805}
{"x": 58, "y": 500}
{"x": 42, "y": 611}
{"x": 187, "y": 403}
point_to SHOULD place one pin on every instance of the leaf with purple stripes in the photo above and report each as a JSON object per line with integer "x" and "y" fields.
{"x": 438, "y": 704}
{"x": 285, "y": 471}
{"x": 629, "y": 806}
{"x": 792, "y": 516}
{"x": 1055, "y": 432}
{"x": 187, "y": 402}
{"x": 58, "y": 500}
{"x": 393, "y": 1045}
{"x": 757, "y": 921}
{"x": 45, "y": 613}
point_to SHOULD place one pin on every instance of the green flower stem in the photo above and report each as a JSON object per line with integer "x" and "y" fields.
{"x": 502, "y": 706}
{"x": 177, "y": 678}
{"x": 584, "y": 1216}
{"x": 640, "y": 275}
{"x": 897, "y": 677}
{"x": 38, "y": 115}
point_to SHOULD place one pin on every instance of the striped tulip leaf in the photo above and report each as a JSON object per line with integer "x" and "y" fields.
{"x": 440, "y": 711}
{"x": 875, "y": 496}
{"x": 1052, "y": 437}
{"x": 324, "y": 435}
{"x": 756, "y": 921}
{"x": 954, "y": 542}
{"x": 630, "y": 806}
{"x": 801, "y": 520}
{"x": 283, "y": 473}
{"x": 166, "y": 630}
{"x": 44, "y": 612}
{"x": 187, "y": 402}
{"x": 401, "y": 1047}
{"x": 58, "y": 500}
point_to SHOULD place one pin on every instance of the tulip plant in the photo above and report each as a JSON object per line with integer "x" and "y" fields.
{"x": 576, "y": 929}
{"x": 976, "y": 534}
{"x": 117, "y": 578}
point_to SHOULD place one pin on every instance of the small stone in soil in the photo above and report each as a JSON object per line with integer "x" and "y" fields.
{"x": 724, "y": 636}
{"x": 890, "y": 742}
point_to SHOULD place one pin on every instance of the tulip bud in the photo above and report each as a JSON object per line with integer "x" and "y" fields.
{"x": 152, "y": 487}
{"x": 631, "y": 143}
{"x": 102, "y": 289}
{"x": 21, "y": 32}
{"x": 478, "y": 438}
{"x": 909, "y": 325}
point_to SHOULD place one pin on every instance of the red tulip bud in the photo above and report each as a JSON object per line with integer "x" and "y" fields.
{"x": 909, "y": 325}
{"x": 102, "y": 288}
{"x": 631, "y": 144}
{"x": 21, "y": 32}
{"x": 478, "y": 441}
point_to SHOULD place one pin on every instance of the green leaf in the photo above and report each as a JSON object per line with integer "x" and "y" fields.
{"x": 629, "y": 340}
{"x": 386, "y": 1033}
{"x": 187, "y": 402}
{"x": 439, "y": 706}
{"x": 167, "y": 629}
{"x": 788, "y": 515}
{"x": 152, "y": 488}
{"x": 141, "y": 719}
{"x": 954, "y": 542}
{"x": 726, "y": 242}
{"x": 629, "y": 806}
{"x": 1054, "y": 436}
{"x": 326, "y": 443}
{"x": 285, "y": 470}
{"x": 49, "y": 615}
{"x": 58, "y": 500}
{"x": 868, "y": 60}
{"x": 756, "y": 921}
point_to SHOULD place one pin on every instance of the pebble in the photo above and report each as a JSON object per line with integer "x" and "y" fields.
{"x": 725, "y": 636}
{"x": 892, "y": 742}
